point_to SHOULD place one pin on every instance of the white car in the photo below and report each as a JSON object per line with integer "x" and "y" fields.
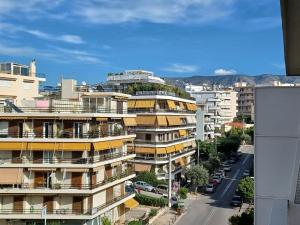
{"x": 217, "y": 179}
{"x": 209, "y": 188}
{"x": 220, "y": 175}
{"x": 143, "y": 186}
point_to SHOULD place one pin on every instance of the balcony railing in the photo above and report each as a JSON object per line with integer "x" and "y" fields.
{"x": 58, "y": 186}
{"x": 164, "y": 158}
{"x": 163, "y": 127}
{"x": 152, "y": 110}
{"x": 87, "y": 160}
{"x": 163, "y": 141}
{"x": 67, "y": 211}
{"x": 64, "y": 134}
{"x": 60, "y": 109}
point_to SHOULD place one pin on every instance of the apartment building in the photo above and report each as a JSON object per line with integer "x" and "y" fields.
{"x": 70, "y": 156}
{"x": 205, "y": 124}
{"x": 245, "y": 99}
{"x": 165, "y": 131}
{"x": 19, "y": 81}
{"x": 221, "y": 104}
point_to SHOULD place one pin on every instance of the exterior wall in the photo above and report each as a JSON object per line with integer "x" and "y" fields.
{"x": 277, "y": 155}
{"x": 200, "y": 125}
{"x": 99, "y": 198}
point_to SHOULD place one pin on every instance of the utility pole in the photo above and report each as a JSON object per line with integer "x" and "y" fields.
{"x": 198, "y": 151}
{"x": 170, "y": 183}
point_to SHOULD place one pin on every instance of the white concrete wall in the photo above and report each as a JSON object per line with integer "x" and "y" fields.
{"x": 277, "y": 154}
{"x": 99, "y": 198}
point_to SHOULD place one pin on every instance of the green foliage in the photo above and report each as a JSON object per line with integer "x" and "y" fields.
{"x": 152, "y": 201}
{"x": 246, "y": 188}
{"x": 212, "y": 163}
{"x": 153, "y": 212}
{"x": 135, "y": 223}
{"x": 207, "y": 148}
{"x": 183, "y": 192}
{"x": 229, "y": 144}
{"x": 133, "y": 88}
{"x": 198, "y": 175}
{"x": 250, "y": 131}
{"x": 150, "y": 178}
{"x": 105, "y": 221}
{"x": 246, "y": 218}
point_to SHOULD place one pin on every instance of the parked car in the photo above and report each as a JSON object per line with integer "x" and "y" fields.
{"x": 217, "y": 178}
{"x": 246, "y": 173}
{"x": 222, "y": 171}
{"x": 210, "y": 188}
{"x": 227, "y": 168}
{"x": 232, "y": 161}
{"x": 143, "y": 186}
{"x": 214, "y": 182}
{"x": 236, "y": 200}
{"x": 220, "y": 174}
{"x": 162, "y": 189}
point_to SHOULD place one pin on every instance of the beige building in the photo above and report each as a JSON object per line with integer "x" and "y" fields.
{"x": 166, "y": 126}
{"x": 70, "y": 156}
{"x": 18, "y": 82}
{"x": 245, "y": 99}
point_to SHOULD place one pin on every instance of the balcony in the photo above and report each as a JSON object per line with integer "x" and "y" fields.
{"x": 158, "y": 142}
{"x": 60, "y": 188}
{"x": 164, "y": 110}
{"x": 88, "y": 161}
{"x": 65, "y": 213}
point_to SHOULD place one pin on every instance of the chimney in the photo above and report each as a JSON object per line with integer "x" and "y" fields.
{"x": 32, "y": 68}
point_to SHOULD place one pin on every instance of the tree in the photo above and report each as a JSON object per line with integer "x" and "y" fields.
{"x": 246, "y": 218}
{"x": 198, "y": 176}
{"x": 206, "y": 148}
{"x": 183, "y": 192}
{"x": 228, "y": 145}
{"x": 246, "y": 188}
{"x": 212, "y": 163}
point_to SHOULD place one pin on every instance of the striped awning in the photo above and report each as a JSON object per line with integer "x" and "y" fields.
{"x": 174, "y": 120}
{"x": 170, "y": 149}
{"x": 191, "y": 106}
{"x": 171, "y": 104}
{"x": 162, "y": 121}
{"x": 144, "y": 104}
{"x": 138, "y": 167}
{"x": 105, "y": 145}
{"x": 11, "y": 175}
{"x": 129, "y": 121}
{"x": 179, "y": 147}
{"x": 182, "y": 133}
{"x": 131, "y": 104}
{"x": 146, "y": 120}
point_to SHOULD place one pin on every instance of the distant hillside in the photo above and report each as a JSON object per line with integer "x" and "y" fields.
{"x": 229, "y": 80}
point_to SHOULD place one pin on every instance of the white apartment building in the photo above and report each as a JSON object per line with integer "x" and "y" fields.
{"x": 245, "y": 99}
{"x": 205, "y": 125}
{"x": 133, "y": 76}
{"x": 221, "y": 104}
{"x": 19, "y": 81}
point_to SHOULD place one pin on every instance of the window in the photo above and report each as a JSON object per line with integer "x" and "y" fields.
{"x": 148, "y": 137}
{"x": 78, "y": 130}
{"x": 48, "y": 130}
{"x": 16, "y": 70}
{"x": 24, "y": 71}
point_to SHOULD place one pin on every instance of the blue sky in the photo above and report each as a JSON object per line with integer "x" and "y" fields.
{"x": 87, "y": 39}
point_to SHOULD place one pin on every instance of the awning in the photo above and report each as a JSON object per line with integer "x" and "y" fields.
{"x": 146, "y": 120}
{"x": 171, "y": 104}
{"x": 191, "y": 119}
{"x": 138, "y": 167}
{"x": 170, "y": 149}
{"x": 11, "y": 175}
{"x": 162, "y": 121}
{"x": 73, "y": 146}
{"x": 182, "y": 133}
{"x": 13, "y": 118}
{"x": 191, "y": 106}
{"x": 161, "y": 151}
{"x": 74, "y": 118}
{"x": 101, "y": 119}
{"x": 131, "y": 104}
{"x": 64, "y": 146}
{"x": 181, "y": 105}
{"x": 131, "y": 203}
{"x": 144, "y": 104}
{"x": 179, "y": 147}
{"x": 145, "y": 150}
{"x": 174, "y": 120}
{"x": 104, "y": 145}
{"x": 116, "y": 143}
{"x": 13, "y": 146}
{"x": 130, "y": 148}
{"x": 130, "y": 121}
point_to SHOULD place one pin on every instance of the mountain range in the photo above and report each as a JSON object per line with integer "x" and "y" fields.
{"x": 229, "y": 80}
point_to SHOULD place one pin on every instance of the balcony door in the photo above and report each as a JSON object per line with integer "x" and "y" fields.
{"x": 76, "y": 180}
{"x": 48, "y": 201}
{"x": 18, "y": 204}
{"x": 48, "y": 130}
{"x": 78, "y": 130}
{"x": 77, "y": 204}
{"x": 119, "y": 106}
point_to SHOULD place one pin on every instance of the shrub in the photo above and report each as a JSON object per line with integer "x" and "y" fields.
{"x": 152, "y": 201}
{"x": 153, "y": 212}
{"x": 135, "y": 223}
{"x": 105, "y": 221}
{"x": 183, "y": 192}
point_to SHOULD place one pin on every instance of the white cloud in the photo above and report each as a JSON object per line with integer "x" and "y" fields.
{"x": 221, "y": 72}
{"x": 181, "y": 68}
{"x": 155, "y": 11}
{"x": 68, "y": 38}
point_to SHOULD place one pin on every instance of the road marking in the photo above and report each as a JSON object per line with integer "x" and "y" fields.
{"x": 245, "y": 159}
{"x": 228, "y": 186}
{"x": 210, "y": 215}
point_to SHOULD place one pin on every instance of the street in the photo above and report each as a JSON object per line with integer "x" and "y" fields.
{"x": 215, "y": 209}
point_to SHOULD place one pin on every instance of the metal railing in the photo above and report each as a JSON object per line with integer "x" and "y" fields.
{"x": 66, "y": 211}
{"x": 164, "y": 141}
{"x": 152, "y": 110}
{"x": 60, "y": 109}
{"x": 183, "y": 126}
{"x": 64, "y": 134}
{"x": 58, "y": 186}
{"x": 87, "y": 160}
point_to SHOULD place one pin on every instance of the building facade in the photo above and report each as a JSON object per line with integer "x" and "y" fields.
{"x": 18, "y": 82}
{"x": 205, "y": 124}
{"x": 220, "y": 105}
{"x": 245, "y": 99}
{"x": 70, "y": 156}
{"x": 165, "y": 131}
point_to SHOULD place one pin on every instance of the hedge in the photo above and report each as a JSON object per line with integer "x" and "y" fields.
{"x": 152, "y": 201}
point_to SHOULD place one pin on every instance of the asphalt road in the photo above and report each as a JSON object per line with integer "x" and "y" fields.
{"x": 215, "y": 209}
